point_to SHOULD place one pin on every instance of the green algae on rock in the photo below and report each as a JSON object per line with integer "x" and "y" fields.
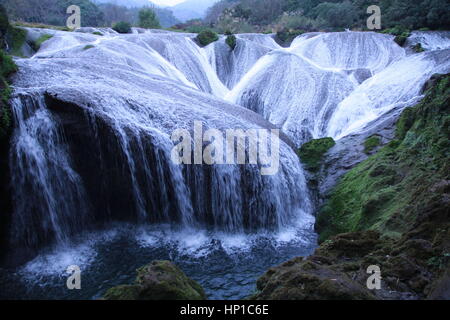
{"x": 312, "y": 152}
{"x": 159, "y": 280}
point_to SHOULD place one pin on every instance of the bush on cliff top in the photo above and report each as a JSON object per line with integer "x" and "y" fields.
{"x": 206, "y": 37}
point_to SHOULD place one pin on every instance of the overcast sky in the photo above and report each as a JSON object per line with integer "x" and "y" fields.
{"x": 167, "y": 2}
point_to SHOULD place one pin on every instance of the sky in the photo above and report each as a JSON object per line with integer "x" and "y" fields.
{"x": 167, "y": 2}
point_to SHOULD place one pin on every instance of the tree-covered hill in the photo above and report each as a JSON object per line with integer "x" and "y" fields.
{"x": 96, "y": 13}
{"x": 311, "y": 15}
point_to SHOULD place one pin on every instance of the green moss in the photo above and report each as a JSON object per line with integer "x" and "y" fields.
{"x": 97, "y": 33}
{"x": 17, "y": 38}
{"x": 371, "y": 143}
{"x": 89, "y": 46}
{"x": 7, "y": 67}
{"x": 231, "y": 41}
{"x": 37, "y": 44}
{"x": 389, "y": 190}
{"x": 285, "y": 37}
{"x": 122, "y": 27}
{"x": 311, "y": 153}
{"x": 400, "y": 33}
{"x": 206, "y": 37}
{"x": 159, "y": 280}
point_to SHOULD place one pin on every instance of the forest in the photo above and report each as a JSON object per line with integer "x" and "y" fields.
{"x": 315, "y": 15}
{"x": 53, "y": 12}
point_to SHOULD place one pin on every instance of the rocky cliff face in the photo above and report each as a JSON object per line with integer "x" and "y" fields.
{"x": 391, "y": 210}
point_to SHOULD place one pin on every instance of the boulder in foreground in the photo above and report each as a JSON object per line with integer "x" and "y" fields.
{"x": 159, "y": 280}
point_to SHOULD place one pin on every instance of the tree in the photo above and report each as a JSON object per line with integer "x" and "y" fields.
{"x": 148, "y": 19}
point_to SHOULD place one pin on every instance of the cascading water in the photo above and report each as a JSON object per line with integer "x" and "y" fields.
{"x": 231, "y": 65}
{"x": 92, "y": 144}
{"x": 92, "y": 147}
{"x": 332, "y": 84}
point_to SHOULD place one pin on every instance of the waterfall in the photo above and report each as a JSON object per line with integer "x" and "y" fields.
{"x": 232, "y": 65}
{"x": 92, "y": 143}
{"x": 94, "y": 116}
{"x": 333, "y": 84}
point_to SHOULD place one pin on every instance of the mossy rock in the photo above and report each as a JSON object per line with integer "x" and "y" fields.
{"x": 123, "y": 292}
{"x": 7, "y": 67}
{"x": 231, "y": 41}
{"x": 16, "y": 38}
{"x": 312, "y": 152}
{"x": 37, "y": 44}
{"x": 390, "y": 190}
{"x": 285, "y": 37}
{"x": 87, "y": 47}
{"x": 308, "y": 279}
{"x": 159, "y": 280}
{"x": 417, "y": 48}
{"x": 206, "y": 37}
{"x": 371, "y": 143}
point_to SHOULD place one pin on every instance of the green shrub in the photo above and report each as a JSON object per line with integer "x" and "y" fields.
{"x": 371, "y": 143}
{"x": 206, "y": 37}
{"x": 285, "y": 37}
{"x": 122, "y": 27}
{"x": 391, "y": 189}
{"x": 16, "y": 37}
{"x": 401, "y": 34}
{"x": 231, "y": 41}
{"x": 7, "y": 67}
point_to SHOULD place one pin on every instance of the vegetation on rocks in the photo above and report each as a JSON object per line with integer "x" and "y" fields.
{"x": 371, "y": 143}
{"x": 392, "y": 210}
{"x": 389, "y": 191}
{"x": 231, "y": 41}
{"x": 37, "y": 44}
{"x": 285, "y": 37}
{"x": 7, "y": 67}
{"x": 311, "y": 153}
{"x": 122, "y": 27}
{"x": 159, "y": 280}
{"x": 206, "y": 37}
